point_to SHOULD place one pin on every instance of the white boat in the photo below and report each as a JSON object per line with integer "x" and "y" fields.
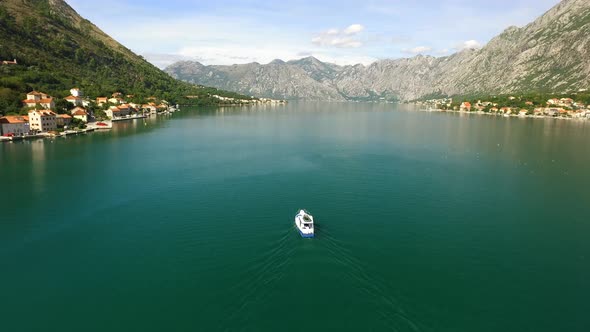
{"x": 304, "y": 223}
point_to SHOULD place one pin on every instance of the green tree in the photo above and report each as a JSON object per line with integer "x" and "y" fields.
{"x": 62, "y": 106}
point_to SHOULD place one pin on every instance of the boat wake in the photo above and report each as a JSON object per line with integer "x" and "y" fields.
{"x": 264, "y": 271}
{"x": 390, "y": 310}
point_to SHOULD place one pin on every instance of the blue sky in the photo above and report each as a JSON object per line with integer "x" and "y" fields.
{"x": 343, "y": 32}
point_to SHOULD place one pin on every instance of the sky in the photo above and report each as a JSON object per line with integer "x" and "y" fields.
{"x": 343, "y": 32}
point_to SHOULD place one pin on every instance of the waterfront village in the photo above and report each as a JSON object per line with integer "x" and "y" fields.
{"x": 511, "y": 106}
{"x": 83, "y": 114}
{"x": 41, "y": 118}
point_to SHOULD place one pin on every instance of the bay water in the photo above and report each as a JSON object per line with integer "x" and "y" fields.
{"x": 425, "y": 222}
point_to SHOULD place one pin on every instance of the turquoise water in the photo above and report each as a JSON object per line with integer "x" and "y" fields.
{"x": 425, "y": 222}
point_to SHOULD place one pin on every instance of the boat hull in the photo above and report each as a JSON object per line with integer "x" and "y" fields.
{"x": 305, "y": 235}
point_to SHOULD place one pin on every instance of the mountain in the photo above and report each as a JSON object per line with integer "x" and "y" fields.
{"x": 278, "y": 79}
{"x": 549, "y": 54}
{"x": 56, "y": 50}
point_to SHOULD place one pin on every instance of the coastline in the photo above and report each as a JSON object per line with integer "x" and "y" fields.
{"x": 504, "y": 115}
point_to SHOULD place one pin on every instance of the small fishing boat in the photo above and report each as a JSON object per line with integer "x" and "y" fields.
{"x": 304, "y": 223}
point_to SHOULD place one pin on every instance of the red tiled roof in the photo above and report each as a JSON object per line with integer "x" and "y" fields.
{"x": 44, "y": 112}
{"x": 13, "y": 119}
{"x": 40, "y": 101}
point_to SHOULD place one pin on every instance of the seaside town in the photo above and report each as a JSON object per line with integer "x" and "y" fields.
{"x": 512, "y": 106}
{"x": 83, "y": 114}
{"x": 42, "y": 118}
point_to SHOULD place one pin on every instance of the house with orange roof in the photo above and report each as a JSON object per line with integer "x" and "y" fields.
{"x": 35, "y": 98}
{"x": 76, "y": 101}
{"x": 14, "y": 125}
{"x": 149, "y": 108}
{"x": 466, "y": 106}
{"x": 125, "y": 110}
{"x": 63, "y": 120}
{"x": 566, "y": 101}
{"x": 79, "y": 113}
{"x": 102, "y": 100}
{"x": 115, "y": 112}
{"x": 44, "y": 120}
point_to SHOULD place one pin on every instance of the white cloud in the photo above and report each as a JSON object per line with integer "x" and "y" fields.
{"x": 335, "y": 41}
{"x": 443, "y": 51}
{"x": 232, "y": 54}
{"x": 354, "y": 29}
{"x": 346, "y": 38}
{"x": 417, "y": 50}
{"x": 469, "y": 44}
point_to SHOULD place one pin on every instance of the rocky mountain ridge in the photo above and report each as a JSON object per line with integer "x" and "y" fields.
{"x": 549, "y": 54}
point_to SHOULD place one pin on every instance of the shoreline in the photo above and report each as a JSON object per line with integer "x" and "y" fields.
{"x": 504, "y": 115}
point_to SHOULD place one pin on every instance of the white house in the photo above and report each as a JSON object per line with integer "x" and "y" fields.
{"x": 76, "y": 101}
{"x": 116, "y": 101}
{"x": 15, "y": 125}
{"x": 44, "y": 120}
{"x": 8, "y": 62}
{"x": 113, "y": 112}
{"x": 149, "y": 108}
{"x": 118, "y": 111}
{"x": 79, "y": 113}
{"x": 35, "y": 98}
{"x": 102, "y": 100}
{"x": 76, "y": 92}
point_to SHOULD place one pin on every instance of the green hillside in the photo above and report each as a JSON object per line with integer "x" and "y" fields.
{"x": 56, "y": 50}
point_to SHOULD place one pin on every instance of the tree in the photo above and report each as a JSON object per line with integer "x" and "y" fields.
{"x": 62, "y": 106}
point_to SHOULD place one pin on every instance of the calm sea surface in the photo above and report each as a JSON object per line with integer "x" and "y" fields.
{"x": 425, "y": 222}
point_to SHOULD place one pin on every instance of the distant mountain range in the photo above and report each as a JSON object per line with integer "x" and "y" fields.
{"x": 551, "y": 54}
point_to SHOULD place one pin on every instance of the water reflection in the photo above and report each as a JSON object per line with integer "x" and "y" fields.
{"x": 38, "y": 157}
